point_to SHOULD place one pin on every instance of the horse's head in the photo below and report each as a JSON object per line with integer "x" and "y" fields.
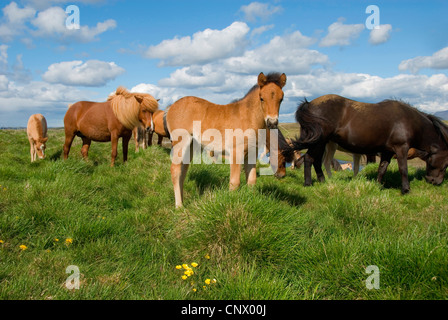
{"x": 146, "y": 116}
{"x": 40, "y": 145}
{"x": 436, "y": 164}
{"x": 271, "y": 96}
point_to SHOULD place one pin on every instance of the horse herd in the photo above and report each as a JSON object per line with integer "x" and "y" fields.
{"x": 388, "y": 128}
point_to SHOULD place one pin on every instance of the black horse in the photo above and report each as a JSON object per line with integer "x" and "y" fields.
{"x": 388, "y": 127}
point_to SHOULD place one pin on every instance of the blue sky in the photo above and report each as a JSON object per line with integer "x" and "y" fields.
{"x": 215, "y": 50}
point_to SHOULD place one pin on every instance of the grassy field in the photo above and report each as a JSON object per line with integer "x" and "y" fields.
{"x": 278, "y": 240}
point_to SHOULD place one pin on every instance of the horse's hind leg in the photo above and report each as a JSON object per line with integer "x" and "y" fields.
{"x": 330, "y": 150}
{"x": 85, "y": 147}
{"x": 318, "y": 163}
{"x": 384, "y": 163}
{"x": 69, "y": 136}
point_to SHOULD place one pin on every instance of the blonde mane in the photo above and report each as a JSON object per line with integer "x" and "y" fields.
{"x": 126, "y": 106}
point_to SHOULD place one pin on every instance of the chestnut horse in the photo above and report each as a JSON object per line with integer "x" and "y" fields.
{"x": 144, "y": 138}
{"x": 257, "y": 110}
{"x": 388, "y": 127}
{"x": 108, "y": 121}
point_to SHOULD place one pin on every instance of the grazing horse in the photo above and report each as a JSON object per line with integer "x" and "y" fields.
{"x": 388, "y": 127}
{"x": 108, "y": 121}
{"x": 37, "y": 136}
{"x": 220, "y": 126}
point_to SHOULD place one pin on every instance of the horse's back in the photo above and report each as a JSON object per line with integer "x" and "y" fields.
{"x": 37, "y": 126}
{"x": 185, "y": 111}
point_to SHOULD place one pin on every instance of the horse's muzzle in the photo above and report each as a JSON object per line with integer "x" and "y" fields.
{"x": 149, "y": 130}
{"x": 272, "y": 123}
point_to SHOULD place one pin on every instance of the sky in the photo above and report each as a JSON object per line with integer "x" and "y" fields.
{"x": 215, "y": 50}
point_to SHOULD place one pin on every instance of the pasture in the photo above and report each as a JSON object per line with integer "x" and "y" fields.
{"x": 277, "y": 240}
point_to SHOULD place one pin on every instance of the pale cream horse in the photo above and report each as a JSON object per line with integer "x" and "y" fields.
{"x": 37, "y": 136}
{"x": 258, "y": 110}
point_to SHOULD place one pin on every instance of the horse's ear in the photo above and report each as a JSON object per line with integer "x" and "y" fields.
{"x": 282, "y": 80}
{"x": 139, "y": 99}
{"x": 43, "y": 140}
{"x": 158, "y": 100}
{"x": 262, "y": 80}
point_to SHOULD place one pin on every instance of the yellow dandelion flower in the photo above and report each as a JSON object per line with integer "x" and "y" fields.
{"x": 23, "y": 247}
{"x": 56, "y": 239}
{"x": 184, "y": 277}
{"x": 1, "y": 241}
{"x": 207, "y": 281}
{"x": 194, "y": 264}
{"x": 214, "y": 281}
{"x": 178, "y": 267}
{"x": 207, "y": 256}
{"x": 69, "y": 241}
{"x": 194, "y": 289}
{"x": 204, "y": 287}
{"x": 185, "y": 266}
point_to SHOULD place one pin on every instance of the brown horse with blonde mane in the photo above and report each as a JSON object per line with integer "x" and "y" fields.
{"x": 108, "y": 121}
{"x": 258, "y": 110}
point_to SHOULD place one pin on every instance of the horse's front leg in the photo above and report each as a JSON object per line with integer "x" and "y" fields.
{"x": 251, "y": 173}
{"x": 235, "y": 172}
{"x": 356, "y": 162}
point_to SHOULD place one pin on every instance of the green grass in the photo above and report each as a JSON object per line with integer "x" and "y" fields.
{"x": 278, "y": 240}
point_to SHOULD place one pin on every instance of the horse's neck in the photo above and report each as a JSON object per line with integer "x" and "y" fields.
{"x": 430, "y": 137}
{"x": 250, "y": 107}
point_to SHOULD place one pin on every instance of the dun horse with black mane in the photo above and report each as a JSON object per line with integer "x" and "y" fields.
{"x": 388, "y": 127}
{"x": 108, "y": 121}
{"x": 257, "y": 110}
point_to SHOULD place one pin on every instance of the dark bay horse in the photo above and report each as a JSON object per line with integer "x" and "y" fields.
{"x": 108, "y": 121}
{"x": 258, "y": 110}
{"x": 388, "y": 127}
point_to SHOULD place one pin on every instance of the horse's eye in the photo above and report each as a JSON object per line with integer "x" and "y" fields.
{"x": 261, "y": 99}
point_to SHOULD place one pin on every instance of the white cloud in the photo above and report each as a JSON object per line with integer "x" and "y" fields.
{"x": 52, "y": 23}
{"x": 92, "y": 73}
{"x": 43, "y": 4}
{"x": 429, "y": 93}
{"x": 203, "y": 47}
{"x": 3, "y": 54}
{"x": 439, "y": 60}
{"x": 380, "y": 35}
{"x": 340, "y": 34}
{"x": 287, "y": 53}
{"x": 14, "y": 20}
{"x": 256, "y": 10}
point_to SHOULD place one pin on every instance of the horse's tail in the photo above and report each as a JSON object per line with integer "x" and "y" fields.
{"x": 311, "y": 131}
